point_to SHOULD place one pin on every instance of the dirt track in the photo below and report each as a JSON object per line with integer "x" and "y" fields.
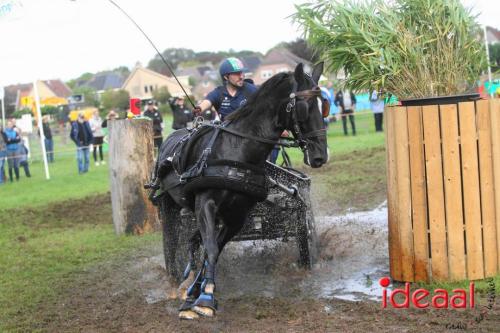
{"x": 260, "y": 289}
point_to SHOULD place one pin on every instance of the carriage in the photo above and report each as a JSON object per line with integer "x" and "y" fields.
{"x": 286, "y": 213}
{"x": 220, "y": 172}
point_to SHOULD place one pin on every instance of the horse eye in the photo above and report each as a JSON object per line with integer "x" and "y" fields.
{"x": 320, "y": 104}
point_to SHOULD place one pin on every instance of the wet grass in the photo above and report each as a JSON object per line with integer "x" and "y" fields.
{"x": 44, "y": 249}
{"x": 52, "y": 231}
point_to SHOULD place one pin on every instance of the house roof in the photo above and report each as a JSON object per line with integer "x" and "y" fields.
{"x": 105, "y": 81}
{"x": 495, "y": 33}
{"x": 140, "y": 68}
{"x": 251, "y": 62}
{"x": 59, "y": 88}
{"x": 282, "y": 55}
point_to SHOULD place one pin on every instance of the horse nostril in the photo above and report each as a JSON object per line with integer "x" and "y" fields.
{"x": 317, "y": 162}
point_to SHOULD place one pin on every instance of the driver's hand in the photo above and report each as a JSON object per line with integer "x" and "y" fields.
{"x": 197, "y": 111}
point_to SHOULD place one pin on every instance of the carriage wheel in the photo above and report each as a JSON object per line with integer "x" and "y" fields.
{"x": 307, "y": 238}
{"x": 176, "y": 235}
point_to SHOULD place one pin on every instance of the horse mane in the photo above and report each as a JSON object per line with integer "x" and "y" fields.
{"x": 260, "y": 100}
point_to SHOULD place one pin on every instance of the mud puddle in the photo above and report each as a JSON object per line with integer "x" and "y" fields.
{"x": 353, "y": 257}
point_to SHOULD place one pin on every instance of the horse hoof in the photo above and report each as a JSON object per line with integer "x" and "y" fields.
{"x": 204, "y": 311}
{"x": 188, "y": 315}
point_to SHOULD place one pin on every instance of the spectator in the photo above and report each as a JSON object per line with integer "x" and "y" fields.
{"x": 3, "y": 154}
{"x": 153, "y": 113}
{"x": 346, "y": 102}
{"x": 112, "y": 115}
{"x": 81, "y": 134}
{"x": 182, "y": 115}
{"x": 49, "y": 143}
{"x": 23, "y": 158}
{"x": 98, "y": 135}
{"x": 12, "y": 140}
{"x": 377, "y": 106}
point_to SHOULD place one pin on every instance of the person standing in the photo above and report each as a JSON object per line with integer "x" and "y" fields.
{"x": 12, "y": 140}
{"x": 3, "y": 154}
{"x": 346, "y": 102}
{"x": 182, "y": 115}
{"x": 49, "y": 143}
{"x": 153, "y": 113}
{"x": 23, "y": 158}
{"x": 81, "y": 134}
{"x": 98, "y": 135}
{"x": 377, "y": 106}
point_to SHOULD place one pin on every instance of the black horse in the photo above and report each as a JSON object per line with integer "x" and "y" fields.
{"x": 287, "y": 101}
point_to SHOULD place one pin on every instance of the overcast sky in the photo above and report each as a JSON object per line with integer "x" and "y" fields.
{"x": 48, "y": 39}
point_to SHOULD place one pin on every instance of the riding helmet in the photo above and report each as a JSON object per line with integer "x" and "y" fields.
{"x": 231, "y": 65}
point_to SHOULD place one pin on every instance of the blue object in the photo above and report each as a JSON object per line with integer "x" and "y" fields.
{"x": 231, "y": 65}
{"x": 228, "y": 103}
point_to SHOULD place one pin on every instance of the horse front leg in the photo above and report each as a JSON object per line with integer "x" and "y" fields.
{"x": 206, "y": 305}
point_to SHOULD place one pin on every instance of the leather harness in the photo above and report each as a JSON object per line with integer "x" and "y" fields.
{"x": 225, "y": 174}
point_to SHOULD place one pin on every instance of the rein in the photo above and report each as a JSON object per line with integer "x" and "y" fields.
{"x": 299, "y": 138}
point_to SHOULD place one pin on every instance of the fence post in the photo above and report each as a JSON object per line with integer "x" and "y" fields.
{"x": 130, "y": 166}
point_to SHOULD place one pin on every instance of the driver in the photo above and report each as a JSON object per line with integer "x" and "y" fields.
{"x": 234, "y": 92}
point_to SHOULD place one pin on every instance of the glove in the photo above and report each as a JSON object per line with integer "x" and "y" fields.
{"x": 197, "y": 111}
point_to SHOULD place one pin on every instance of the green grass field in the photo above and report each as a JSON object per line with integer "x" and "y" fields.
{"x": 52, "y": 230}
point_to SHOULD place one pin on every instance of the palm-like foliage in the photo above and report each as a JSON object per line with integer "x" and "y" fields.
{"x": 410, "y": 48}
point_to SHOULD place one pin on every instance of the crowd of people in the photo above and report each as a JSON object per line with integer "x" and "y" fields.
{"x": 223, "y": 100}
{"x": 13, "y": 152}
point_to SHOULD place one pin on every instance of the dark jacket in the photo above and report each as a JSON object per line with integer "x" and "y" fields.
{"x": 157, "y": 120}
{"x": 46, "y": 131}
{"x": 182, "y": 116}
{"x": 339, "y": 99}
{"x": 84, "y": 138}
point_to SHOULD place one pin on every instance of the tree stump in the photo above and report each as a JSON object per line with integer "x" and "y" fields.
{"x": 130, "y": 164}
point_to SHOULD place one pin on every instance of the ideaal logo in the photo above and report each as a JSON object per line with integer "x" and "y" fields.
{"x": 440, "y": 299}
{"x": 422, "y": 298}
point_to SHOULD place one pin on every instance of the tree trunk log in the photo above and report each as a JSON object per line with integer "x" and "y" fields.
{"x": 130, "y": 165}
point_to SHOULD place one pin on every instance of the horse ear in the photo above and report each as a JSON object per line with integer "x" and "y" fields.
{"x": 299, "y": 73}
{"x": 318, "y": 69}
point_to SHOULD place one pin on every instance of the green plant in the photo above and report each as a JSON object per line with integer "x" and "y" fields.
{"x": 19, "y": 113}
{"x": 410, "y": 48}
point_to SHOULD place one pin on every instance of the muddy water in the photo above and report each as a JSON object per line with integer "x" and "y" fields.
{"x": 353, "y": 257}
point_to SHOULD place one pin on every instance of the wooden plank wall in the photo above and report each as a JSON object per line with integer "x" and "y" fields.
{"x": 443, "y": 178}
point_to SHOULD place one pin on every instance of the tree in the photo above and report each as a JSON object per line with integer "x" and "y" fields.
{"x": 173, "y": 56}
{"x": 89, "y": 95}
{"x": 82, "y": 78}
{"x": 118, "y": 99}
{"x": 161, "y": 95}
{"x": 300, "y": 48}
{"x": 410, "y": 48}
{"x": 494, "y": 56}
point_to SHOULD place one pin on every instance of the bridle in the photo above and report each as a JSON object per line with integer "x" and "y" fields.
{"x": 293, "y": 119}
{"x": 292, "y": 114}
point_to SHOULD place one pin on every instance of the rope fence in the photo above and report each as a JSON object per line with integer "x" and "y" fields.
{"x": 364, "y": 125}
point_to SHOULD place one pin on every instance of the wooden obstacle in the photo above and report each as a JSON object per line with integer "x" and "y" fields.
{"x": 130, "y": 165}
{"x": 443, "y": 185}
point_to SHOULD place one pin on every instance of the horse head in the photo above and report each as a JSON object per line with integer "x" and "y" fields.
{"x": 305, "y": 112}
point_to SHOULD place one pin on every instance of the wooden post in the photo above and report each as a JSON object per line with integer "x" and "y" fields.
{"x": 130, "y": 165}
